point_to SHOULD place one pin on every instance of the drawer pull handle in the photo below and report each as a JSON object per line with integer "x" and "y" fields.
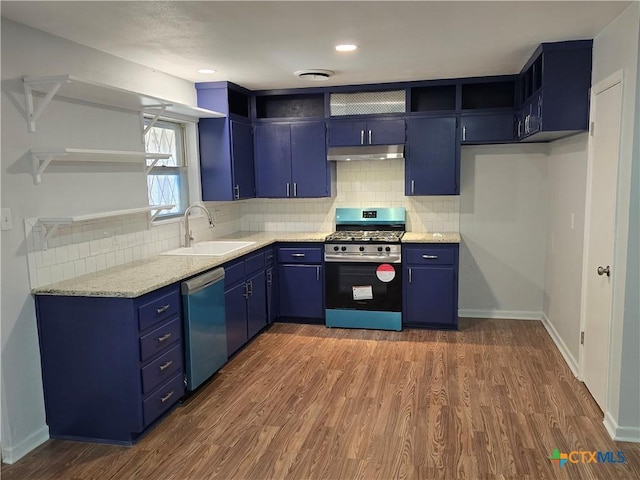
{"x": 298, "y": 255}
{"x": 167, "y": 396}
{"x": 162, "y": 309}
{"x": 430, "y": 257}
{"x": 164, "y": 337}
{"x": 166, "y": 365}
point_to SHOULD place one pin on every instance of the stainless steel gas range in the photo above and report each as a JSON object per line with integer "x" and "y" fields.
{"x": 363, "y": 280}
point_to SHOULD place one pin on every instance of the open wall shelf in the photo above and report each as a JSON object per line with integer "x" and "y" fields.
{"x": 78, "y": 89}
{"x": 41, "y": 158}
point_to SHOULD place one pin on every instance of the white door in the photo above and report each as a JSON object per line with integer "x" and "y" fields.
{"x": 606, "y": 105}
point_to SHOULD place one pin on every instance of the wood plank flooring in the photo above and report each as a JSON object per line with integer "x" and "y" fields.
{"x": 491, "y": 401}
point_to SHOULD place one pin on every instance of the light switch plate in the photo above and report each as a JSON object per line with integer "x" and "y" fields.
{"x": 6, "y": 222}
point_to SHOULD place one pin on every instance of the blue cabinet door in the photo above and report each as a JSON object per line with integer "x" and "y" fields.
{"x": 432, "y": 157}
{"x": 256, "y": 304}
{"x": 273, "y": 160}
{"x": 386, "y": 132}
{"x": 488, "y": 128}
{"x": 272, "y": 296}
{"x": 383, "y": 131}
{"x": 301, "y": 291}
{"x": 242, "y": 158}
{"x": 216, "y": 172}
{"x": 430, "y": 296}
{"x": 236, "y": 317}
{"x": 345, "y": 133}
{"x": 309, "y": 166}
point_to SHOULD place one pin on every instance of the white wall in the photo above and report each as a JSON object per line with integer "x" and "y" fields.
{"x": 567, "y": 170}
{"x": 616, "y": 48}
{"x": 503, "y": 225}
{"x": 64, "y": 190}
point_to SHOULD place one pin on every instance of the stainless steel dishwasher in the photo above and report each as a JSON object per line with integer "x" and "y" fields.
{"x": 205, "y": 330}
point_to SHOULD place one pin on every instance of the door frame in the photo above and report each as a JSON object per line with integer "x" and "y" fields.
{"x": 609, "y": 82}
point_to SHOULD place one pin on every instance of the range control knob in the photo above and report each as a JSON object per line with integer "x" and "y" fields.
{"x": 335, "y": 249}
{"x": 344, "y": 249}
{"x": 361, "y": 249}
{"x": 379, "y": 249}
{"x": 388, "y": 249}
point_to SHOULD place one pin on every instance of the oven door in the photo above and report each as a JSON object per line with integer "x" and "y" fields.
{"x": 363, "y": 286}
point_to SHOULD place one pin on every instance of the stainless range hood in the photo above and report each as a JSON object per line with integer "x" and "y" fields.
{"x": 365, "y": 152}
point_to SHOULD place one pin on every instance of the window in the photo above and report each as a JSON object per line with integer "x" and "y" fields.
{"x": 167, "y": 181}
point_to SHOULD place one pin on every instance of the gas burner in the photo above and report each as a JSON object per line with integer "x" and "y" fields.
{"x": 386, "y": 236}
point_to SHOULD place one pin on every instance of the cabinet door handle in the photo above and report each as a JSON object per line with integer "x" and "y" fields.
{"x": 246, "y": 291}
{"x": 162, "y": 309}
{"x": 519, "y": 128}
{"x": 409, "y": 275}
{"x": 464, "y": 133}
{"x": 361, "y": 137}
{"x": 269, "y": 277}
{"x": 430, "y": 257}
{"x": 166, "y": 365}
{"x": 250, "y": 287}
{"x": 413, "y": 187}
{"x": 370, "y": 138}
{"x": 288, "y": 189}
{"x": 237, "y": 191}
{"x": 295, "y": 189}
{"x": 167, "y": 396}
{"x": 318, "y": 273}
{"x": 298, "y": 255}
{"x": 164, "y": 337}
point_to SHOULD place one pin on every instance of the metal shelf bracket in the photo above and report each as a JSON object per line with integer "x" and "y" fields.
{"x": 34, "y": 113}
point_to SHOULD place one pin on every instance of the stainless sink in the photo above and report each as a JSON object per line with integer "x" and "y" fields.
{"x": 212, "y": 248}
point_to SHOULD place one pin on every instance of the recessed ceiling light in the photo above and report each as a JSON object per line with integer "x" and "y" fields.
{"x": 346, "y": 48}
{"x": 206, "y": 70}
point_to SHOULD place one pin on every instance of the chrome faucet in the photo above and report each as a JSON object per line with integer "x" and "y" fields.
{"x": 187, "y": 236}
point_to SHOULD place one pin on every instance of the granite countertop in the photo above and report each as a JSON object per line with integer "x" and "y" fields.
{"x": 443, "y": 237}
{"x": 143, "y": 276}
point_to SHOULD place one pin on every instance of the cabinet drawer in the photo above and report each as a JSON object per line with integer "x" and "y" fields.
{"x": 159, "y": 339}
{"x": 162, "y": 369}
{"x": 253, "y": 263}
{"x": 299, "y": 255}
{"x": 162, "y": 399}
{"x": 269, "y": 257}
{"x": 158, "y": 309}
{"x": 431, "y": 256}
{"x": 233, "y": 273}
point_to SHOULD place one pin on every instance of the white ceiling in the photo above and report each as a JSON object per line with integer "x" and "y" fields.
{"x": 260, "y": 44}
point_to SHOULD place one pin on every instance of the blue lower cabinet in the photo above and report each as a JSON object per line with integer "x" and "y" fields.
{"x": 272, "y": 294}
{"x": 301, "y": 292}
{"x": 111, "y": 367}
{"x": 430, "y": 277}
{"x": 245, "y": 299}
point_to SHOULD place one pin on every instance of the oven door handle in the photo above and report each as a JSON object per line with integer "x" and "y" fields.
{"x": 329, "y": 257}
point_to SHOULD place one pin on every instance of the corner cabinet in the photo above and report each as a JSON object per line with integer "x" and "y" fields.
{"x": 430, "y": 278}
{"x": 554, "y": 88}
{"x": 111, "y": 367}
{"x": 432, "y": 165}
{"x": 226, "y": 144}
{"x": 291, "y": 160}
{"x": 301, "y": 282}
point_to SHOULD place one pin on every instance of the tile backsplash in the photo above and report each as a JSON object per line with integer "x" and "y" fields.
{"x": 92, "y": 246}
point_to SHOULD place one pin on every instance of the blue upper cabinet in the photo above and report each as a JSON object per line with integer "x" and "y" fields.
{"x": 554, "y": 91}
{"x": 226, "y": 144}
{"x": 379, "y": 131}
{"x": 432, "y": 165}
{"x": 291, "y": 160}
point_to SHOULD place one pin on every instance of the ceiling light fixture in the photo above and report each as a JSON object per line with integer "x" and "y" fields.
{"x": 346, "y": 48}
{"x": 315, "y": 74}
{"x": 206, "y": 70}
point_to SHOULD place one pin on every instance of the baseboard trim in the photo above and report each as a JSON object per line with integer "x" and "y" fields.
{"x": 13, "y": 454}
{"x": 618, "y": 433}
{"x": 500, "y": 314}
{"x": 562, "y": 347}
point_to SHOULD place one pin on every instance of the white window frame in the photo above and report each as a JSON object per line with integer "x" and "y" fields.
{"x": 192, "y": 166}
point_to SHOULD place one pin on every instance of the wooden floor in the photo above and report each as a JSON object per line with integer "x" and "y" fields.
{"x": 304, "y": 402}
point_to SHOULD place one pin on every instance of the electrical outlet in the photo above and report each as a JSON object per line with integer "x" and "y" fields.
{"x": 6, "y": 222}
